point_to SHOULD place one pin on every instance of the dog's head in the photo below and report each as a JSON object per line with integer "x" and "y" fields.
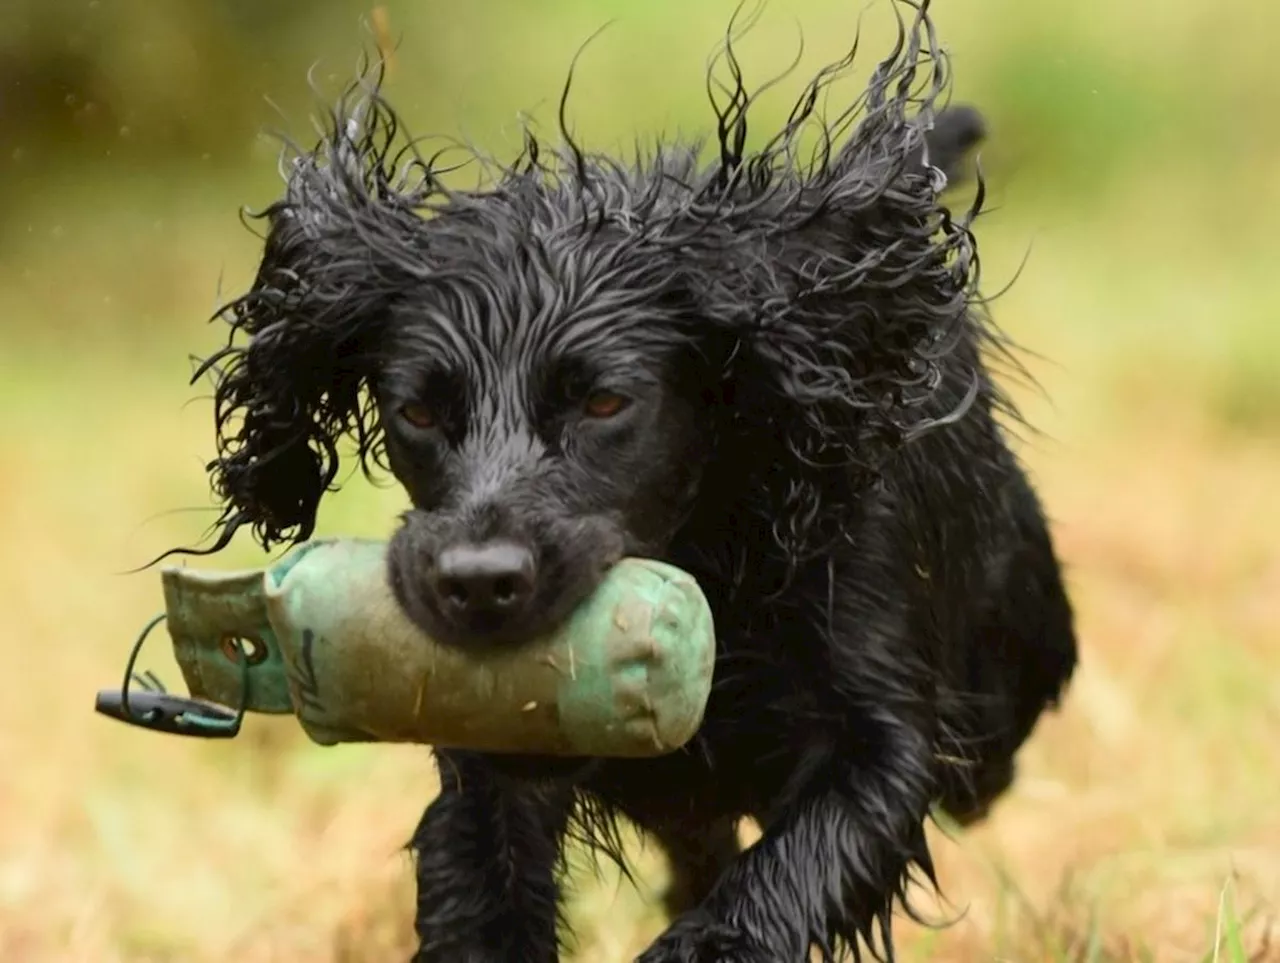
{"x": 580, "y": 360}
{"x": 543, "y": 404}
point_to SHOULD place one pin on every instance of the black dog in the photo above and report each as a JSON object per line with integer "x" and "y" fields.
{"x": 767, "y": 370}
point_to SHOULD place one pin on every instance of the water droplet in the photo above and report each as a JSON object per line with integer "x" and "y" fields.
{"x": 124, "y": 131}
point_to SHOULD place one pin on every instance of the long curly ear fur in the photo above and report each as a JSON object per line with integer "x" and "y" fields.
{"x": 339, "y": 245}
{"x": 851, "y": 290}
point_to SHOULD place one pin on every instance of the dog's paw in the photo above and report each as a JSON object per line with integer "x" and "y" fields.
{"x": 698, "y": 938}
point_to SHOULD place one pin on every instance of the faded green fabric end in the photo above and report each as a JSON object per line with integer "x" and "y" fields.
{"x": 207, "y": 613}
{"x": 642, "y": 653}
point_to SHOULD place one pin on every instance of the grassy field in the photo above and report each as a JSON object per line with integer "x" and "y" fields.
{"x": 1150, "y": 301}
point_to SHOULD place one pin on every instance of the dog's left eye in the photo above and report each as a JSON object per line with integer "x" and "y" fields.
{"x": 418, "y": 415}
{"x": 605, "y": 404}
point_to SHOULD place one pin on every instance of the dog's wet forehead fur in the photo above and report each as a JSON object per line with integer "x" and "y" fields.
{"x": 527, "y": 317}
{"x": 522, "y": 321}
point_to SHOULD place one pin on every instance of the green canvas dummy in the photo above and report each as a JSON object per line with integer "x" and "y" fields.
{"x": 628, "y": 674}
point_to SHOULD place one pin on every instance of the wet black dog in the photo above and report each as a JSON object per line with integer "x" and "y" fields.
{"x": 769, "y": 370}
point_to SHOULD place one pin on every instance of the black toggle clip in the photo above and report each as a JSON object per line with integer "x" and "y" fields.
{"x": 150, "y": 706}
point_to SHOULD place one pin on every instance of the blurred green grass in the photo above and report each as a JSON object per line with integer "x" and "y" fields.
{"x": 1132, "y": 163}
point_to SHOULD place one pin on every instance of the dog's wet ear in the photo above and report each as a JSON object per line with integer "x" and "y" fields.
{"x": 851, "y": 286}
{"x": 339, "y": 250}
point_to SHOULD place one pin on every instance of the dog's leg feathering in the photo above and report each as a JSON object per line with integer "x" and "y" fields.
{"x": 488, "y": 854}
{"x": 827, "y": 868}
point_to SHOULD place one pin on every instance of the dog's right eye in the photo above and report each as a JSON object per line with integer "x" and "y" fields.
{"x": 418, "y": 415}
{"x": 604, "y": 404}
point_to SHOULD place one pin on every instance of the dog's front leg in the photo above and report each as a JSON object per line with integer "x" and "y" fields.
{"x": 487, "y": 852}
{"x": 826, "y": 869}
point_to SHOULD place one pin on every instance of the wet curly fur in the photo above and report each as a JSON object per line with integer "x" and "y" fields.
{"x": 810, "y": 428}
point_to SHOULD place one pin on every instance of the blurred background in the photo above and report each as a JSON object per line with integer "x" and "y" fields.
{"x": 1131, "y": 166}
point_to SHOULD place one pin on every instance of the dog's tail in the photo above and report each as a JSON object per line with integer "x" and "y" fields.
{"x": 956, "y": 132}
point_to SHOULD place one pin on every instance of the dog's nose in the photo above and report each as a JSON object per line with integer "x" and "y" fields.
{"x": 486, "y": 581}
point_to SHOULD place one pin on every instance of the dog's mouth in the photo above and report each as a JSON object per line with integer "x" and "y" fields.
{"x": 483, "y": 631}
{"x": 503, "y": 594}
